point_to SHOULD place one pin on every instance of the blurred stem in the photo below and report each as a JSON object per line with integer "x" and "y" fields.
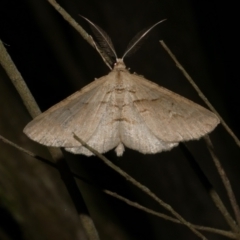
{"x": 225, "y": 179}
{"x": 3, "y": 139}
{"x": 200, "y": 93}
{"x": 17, "y": 80}
{"x": 140, "y": 186}
{"x": 33, "y": 109}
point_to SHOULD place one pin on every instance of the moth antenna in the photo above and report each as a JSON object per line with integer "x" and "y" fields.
{"x": 139, "y": 44}
{"x": 105, "y": 41}
{"x": 134, "y": 43}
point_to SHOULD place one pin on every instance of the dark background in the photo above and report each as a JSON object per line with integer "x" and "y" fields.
{"x": 55, "y": 62}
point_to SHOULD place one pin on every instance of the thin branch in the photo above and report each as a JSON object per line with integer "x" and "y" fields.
{"x": 140, "y": 186}
{"x": 225, "y": 179}
{"x": 119, "y": 197}
{"x": 3, "y": 139}
{"x": 219, "y": 204}
{"x": 81, "y": 31}
{"x": 166, "y": 217}
{"x": 201, "y": 95}
{"x": 56, "y": 153}
{"x": 209, "y": 188}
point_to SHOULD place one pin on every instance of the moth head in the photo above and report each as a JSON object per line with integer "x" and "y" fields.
{"x": 119, "y": 64}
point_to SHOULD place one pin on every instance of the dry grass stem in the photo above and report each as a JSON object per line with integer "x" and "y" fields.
{"x": 168, "y": 218}
{"x": 219, "y": 204}
{"x": 209, "y": 188}
{"x": 225, "y": 180}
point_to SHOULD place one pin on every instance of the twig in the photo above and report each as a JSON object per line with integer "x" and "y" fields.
{"x": 119, "y": 197}
{"x": 3, "y": 139}
{"x": 56, "y": 153}
{"x": 224, "y": 178}
{"x": 81, "y": 31}
{"x": 140, "y": 186}
{"x": 219, "y": 204}
{"x": 166, "y": 217}
{"x": 209, "y": 188}
{"x": 201, "y": 95}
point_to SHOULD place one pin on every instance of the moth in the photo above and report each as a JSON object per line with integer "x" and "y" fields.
{"x": 121, "y": 110}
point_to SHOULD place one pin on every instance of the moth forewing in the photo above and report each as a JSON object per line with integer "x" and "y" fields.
{"x": 170, "y": 116}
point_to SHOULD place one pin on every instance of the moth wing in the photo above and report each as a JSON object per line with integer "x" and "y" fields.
{"x": 136, "y": 135}
{"x": 82, "y": 113}
{"x": 107, "y": 134}
{"x": 169, "y": 116}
